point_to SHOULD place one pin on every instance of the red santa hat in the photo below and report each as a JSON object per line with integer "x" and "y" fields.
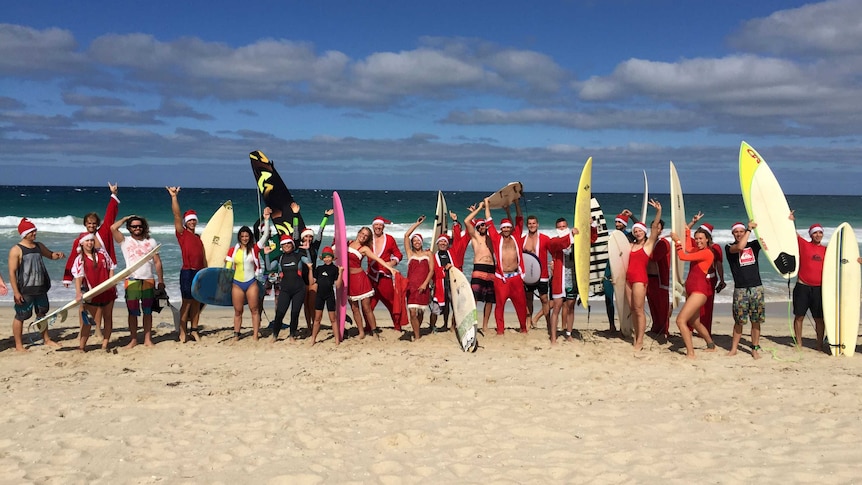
{"x": 306, "y": 232}
{"x": 25, "y": 227}
{"x": 285, "y": 239}
{"x": 707, "y": 227}
{"x": 506, "y": 223}
{"x": 190, "y": 215}
{"x": 477, "y": 222}
{"x": 380, "y": 220}
{"x": 86, "y": 237}
{"x": 443, "y": 237}
{"x": 737, "y": 225}
{"x": 421, "y": 239}
{"x": 327, "y": 251}
{"x": 811, "y": 230}
{"x": 622, "y": 219}
{"x": 639, "y": 225}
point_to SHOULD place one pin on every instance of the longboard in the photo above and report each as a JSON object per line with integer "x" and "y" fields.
{"x": 645, "y": 203}
{"x": 598, "y": 249}
{"x": 619, "y": 250}
{"x": 677, "y": 225}
{"x": 441, "y": 219}
{"x": 464, "y": 307}
{"x": 504, "y": 197}
{"x": 766, "y": 205}
{"x": 842, "y": 283}
{"x": 582, "y": 239}
{"x": 340, "y": 248}
{"x": 217, "y": 235}
{"x": 62, "y": 313}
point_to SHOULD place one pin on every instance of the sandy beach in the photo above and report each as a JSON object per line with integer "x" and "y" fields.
{"x": 390, "y": 411}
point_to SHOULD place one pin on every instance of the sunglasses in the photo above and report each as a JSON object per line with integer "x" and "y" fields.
{"x": 136, "y": 227}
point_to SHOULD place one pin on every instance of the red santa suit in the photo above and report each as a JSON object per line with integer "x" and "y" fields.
{"x": 381, "y": 277}
{"x": 104, "y": 238}
{"x": 508, "y": 286}
{"x": 658, "y": 288}
{"x": 458, "y": 249}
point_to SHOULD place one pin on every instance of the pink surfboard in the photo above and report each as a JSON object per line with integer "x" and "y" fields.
{"x": 340, "y": 248}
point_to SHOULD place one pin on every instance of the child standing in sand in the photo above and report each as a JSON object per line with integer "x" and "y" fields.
{"x": 91, "y": 268}
{"x": 325, "y": 279}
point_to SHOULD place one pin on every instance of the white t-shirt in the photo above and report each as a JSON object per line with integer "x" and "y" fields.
{"x": 133, "y": 250}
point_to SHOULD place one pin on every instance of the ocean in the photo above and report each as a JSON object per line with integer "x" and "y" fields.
{"x": 58, "y": 212}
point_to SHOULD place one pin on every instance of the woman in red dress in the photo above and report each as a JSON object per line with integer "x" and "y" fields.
{"x": 697, "y": 286}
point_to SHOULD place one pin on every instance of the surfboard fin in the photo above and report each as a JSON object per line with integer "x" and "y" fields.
{"x": 63, "y": 314}
{"x": 785, "y": 263}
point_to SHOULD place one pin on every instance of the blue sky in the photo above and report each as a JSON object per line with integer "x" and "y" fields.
{"x": 431, "y": 95}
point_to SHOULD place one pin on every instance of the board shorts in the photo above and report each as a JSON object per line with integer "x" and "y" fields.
{"x": 324, "y": 299}
{"x": 807, "y": 298}
{"x": 186, "y": 278}
{"x": 140, "y": 295}
{"x": 482, "y": 283}
{"x": 436, "y": 309}
{"x": 748, "y": 305}
{"x": 540, "y": 286}
{"x": 25, "y": 310}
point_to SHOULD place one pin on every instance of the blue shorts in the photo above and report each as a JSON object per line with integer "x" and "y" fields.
{"x": 186, "y": 278}
{"x": 25, "y": 310}
{"x": 245, "y": 285}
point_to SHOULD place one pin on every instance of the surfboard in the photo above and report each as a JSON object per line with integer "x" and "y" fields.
{"x": 213, "y": 286}
{"x": 441, "y": 219}
{"x": 63, "y": 312}
{"x": 464, "y": 307}
{"x": 340, "y": 248}
{"x": 677, "y": 225}
{"x": 504, "y": 197}
{"x": 582, "y": 239}
{"x": 598, "y": 249}
{"x": 532, "y": 269}
{"x": 619, "y": 250}
{"x": 645, "y": 203}
{"x": 218, "y": 235}
{"x": 275, "y": 193}
{"x": 842, "y": 284}
{"x": 766, "y": 205}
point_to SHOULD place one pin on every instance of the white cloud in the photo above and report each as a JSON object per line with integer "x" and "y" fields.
{"x": 818, "y": 29}
{"x": 25, "y": 51}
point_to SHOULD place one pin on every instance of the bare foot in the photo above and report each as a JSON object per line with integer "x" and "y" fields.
{"x": 731, "y": 353}
{"x": 105, "y": 344}
{"x": 82, "y": 348}
{"x": 148, "y": 343}
{"x": 710, "y": 347}
{"x": 131, "y": 343}
{"x": 51, "y": 343}
{"x": 195, "y": 336}
{"x": 690, "y": 356}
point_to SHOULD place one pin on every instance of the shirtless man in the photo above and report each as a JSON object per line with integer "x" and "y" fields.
{"x": 509, "y": 268}
{"x": 482, "y": 279}
{"x": 536, "y": 244}
{"x": 385, "y": 247}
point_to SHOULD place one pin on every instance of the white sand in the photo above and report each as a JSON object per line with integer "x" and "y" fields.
{"x": 391, "y": 411}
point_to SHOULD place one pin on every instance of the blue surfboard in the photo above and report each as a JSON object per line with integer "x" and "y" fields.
{"x": 213, "y": 286}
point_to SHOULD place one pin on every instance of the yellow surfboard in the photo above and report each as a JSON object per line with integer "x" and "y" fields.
{"x": 582, "y": 239}
{"x": 217, "y": 236}
{"x": 766, "y": 205}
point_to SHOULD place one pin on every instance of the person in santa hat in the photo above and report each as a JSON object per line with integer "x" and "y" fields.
{"x": 382, "y": 279}
{"x": 716, "y": 273}
{"x": 807, "y": 294}
{"x": 194, "y": 260}
{"x": 30, "y": 281}
{"x": 509, "y": 267}
{"x": 420, "y": 271}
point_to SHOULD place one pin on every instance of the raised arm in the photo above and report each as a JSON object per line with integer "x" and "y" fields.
{"x": 175, "y": 209}
{"x": 115, "y": 229}
{"x": 408, "y": 247}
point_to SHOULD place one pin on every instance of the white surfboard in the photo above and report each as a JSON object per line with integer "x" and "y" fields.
{"x": 766, "y": 205}
{"x": 645, "y": 203}
{"x": 49, "y": 319}
{"x": 532, "y": 269}
{"x": 464, "y": 307}
{"x": 842, "y": 284}
{"x": 441, "y": 219}
{"x": 619, "y": 250}
{"x": 504, "y": 197}
{"x": 217, "y": 235}
{"x": 677, "y": 225}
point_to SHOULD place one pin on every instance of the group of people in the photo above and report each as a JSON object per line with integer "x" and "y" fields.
{"x": 303, "y": 275}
